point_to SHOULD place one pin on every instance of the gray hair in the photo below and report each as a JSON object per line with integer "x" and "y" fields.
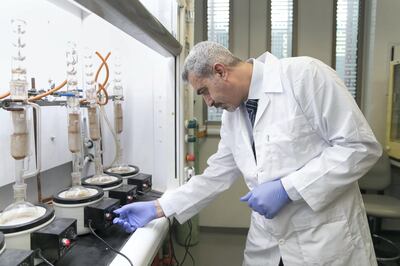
{"x": 202, "y": 58}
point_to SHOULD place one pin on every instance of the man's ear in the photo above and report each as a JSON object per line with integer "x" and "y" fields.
{"x": 220, "y": 70}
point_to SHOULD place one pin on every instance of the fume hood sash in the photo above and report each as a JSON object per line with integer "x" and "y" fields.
{"x": 134, "y": 19}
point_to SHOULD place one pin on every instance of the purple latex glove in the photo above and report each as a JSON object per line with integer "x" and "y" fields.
{"x": 267, "y": 198}
{"x": 135, "y": 215}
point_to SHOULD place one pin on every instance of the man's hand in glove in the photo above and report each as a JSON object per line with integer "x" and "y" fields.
{"x": 267, "y": 198}
{"x": 137, "y": 214}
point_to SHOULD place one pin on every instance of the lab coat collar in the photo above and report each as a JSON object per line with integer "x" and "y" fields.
{"x": 256, "y": 79}
{"x": 271, "y": 82}
{"x": 272, "y": 78}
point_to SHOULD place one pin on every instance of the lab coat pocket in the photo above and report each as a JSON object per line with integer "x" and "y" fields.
{"x": 324, "y": 240}
{"x": 288, "y": 139}
{"x": 293, "y": 128}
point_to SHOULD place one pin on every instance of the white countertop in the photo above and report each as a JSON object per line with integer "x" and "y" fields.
{"x": 144, "y": 243}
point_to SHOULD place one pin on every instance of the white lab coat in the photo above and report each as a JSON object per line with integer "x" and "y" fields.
{"x": 309, "y": 132}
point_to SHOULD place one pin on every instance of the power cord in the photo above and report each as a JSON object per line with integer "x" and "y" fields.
{"x": 108, "y": 245}
{"x": 187, "y": 245}
{"x": 173, "y": 256}
{"x": 38, "y": 252}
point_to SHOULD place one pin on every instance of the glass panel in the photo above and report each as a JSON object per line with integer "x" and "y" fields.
{"x": 281, "y": 28}
{"x": 217, "y": 31}
{"x": 347, "y": 18}
{"x": 164, "y": 11}
{"x": 395, "y": 123}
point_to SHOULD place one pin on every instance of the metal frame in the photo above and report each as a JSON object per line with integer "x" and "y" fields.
{"x": 333, "y": 54}
{"x": 295, "y": 27}
{"x": 360, "y": 51}
{"x": 269, "y": 25}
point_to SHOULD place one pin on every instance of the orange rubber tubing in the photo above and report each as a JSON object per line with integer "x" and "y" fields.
{"x": 4, "y": 95}
{"x": 105, "y": 94}
{"x": 40, "y": 96}
{"x": 104, "y": 63}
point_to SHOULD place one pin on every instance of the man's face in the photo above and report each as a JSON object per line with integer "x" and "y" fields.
{"x": 217, "y": 91}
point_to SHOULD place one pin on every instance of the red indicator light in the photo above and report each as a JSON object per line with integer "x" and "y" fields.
{"x": 66, "y": 242}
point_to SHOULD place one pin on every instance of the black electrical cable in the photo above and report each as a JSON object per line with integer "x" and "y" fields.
{"x": 39, "y": 253}
{"x": 173, "y": 255}
{"x": 186, "y": 250}
{"x": 187, "y": 244}
{"x": 191, "y": 231}
{"x": 171, "y": 246}
{"x": 102, "y": 240}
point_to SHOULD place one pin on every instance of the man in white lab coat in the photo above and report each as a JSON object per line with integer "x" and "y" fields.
{"x": 296, "y": 135}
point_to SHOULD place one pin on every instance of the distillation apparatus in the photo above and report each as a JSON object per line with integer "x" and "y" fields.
{"x": 21, "y": 216}
{"x": 118, "y": 166}
{"x": 105, "y": 181}
{"x": 74, "y": 126}
{"x": 70, "y": 202}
